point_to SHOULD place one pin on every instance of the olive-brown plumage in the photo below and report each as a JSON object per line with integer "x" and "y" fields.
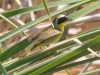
{"x": 50, "y": 35}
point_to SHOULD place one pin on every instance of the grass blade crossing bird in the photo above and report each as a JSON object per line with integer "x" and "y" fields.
{"x": 50, "y": 35}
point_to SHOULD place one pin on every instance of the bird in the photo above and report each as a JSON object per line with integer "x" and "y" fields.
{"x": 50, "y": 35}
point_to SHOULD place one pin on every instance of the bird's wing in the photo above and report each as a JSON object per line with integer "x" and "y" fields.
{"x": 35, "y": 34}
{"x": 49, "y": 32}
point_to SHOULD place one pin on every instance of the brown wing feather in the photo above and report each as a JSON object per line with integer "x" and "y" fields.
{"x": 49, "y": 32}
{"x": 35, "y": 34}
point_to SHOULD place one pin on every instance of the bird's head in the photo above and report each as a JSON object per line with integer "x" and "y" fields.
{"x": 62, "y": 18}
{"x": 58, "y": 21}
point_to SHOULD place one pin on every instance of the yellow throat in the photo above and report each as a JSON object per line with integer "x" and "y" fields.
{"x": 62, "y": 27}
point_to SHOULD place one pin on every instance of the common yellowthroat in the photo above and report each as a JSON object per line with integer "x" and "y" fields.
{"x": 51, "y": 35}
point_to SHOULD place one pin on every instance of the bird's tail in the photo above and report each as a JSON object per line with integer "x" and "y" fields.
{"x": 28, "y": 50}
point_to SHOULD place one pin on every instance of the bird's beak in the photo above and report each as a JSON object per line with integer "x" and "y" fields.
{"x": 69, "y": 19}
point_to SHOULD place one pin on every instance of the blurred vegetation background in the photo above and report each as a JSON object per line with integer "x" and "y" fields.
{"x": 29, "y": 16}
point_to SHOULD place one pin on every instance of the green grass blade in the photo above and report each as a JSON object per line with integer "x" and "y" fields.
{"x": 86, "y": 10}
{"x": 82, "y": 36}
{"x": 22, "y": 28}
{"x": 3, "y": 70}
{"x": 67, "y": 56}
{"x": 35, "y": 67}
{"x": 46, "y": 7}
{"x": 68, "y": 72}
{"x": 90, "y": 72}
{"x": 47, "y": 10}
{"x": 36, "y": 8}
{"x": 13, "y": 50}
{"x": 11, "y": 23}
{"x": 29, "y": 58}
{"x": 71, "y": 65}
